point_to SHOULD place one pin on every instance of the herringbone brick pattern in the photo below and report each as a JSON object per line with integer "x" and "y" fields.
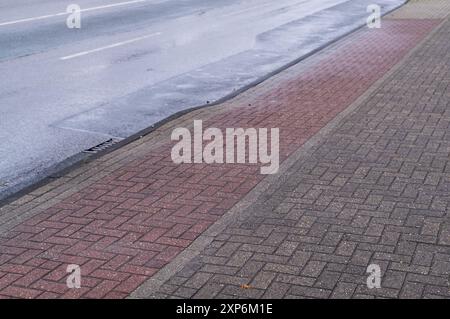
{"x": 374, "y": 191}
{"x": 136, "y": 217}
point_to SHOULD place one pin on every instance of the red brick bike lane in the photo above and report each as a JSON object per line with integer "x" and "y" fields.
{"x": 125, "y": 227}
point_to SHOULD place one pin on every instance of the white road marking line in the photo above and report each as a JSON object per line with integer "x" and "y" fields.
{"x": 89, "y": 132}
{"x": 65, "y": 13}
{"x": 109, "y": 46}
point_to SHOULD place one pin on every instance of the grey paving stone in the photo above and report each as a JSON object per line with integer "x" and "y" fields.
{"x": 374, "y": 190}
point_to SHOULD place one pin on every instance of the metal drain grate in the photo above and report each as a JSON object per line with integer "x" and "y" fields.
{"x": 102, "y": 146}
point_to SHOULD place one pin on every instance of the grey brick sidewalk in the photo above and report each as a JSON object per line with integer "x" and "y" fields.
{"x": 374, "y": 190}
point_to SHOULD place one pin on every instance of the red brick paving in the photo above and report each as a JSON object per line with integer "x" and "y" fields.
{"x": 126, "y": 226}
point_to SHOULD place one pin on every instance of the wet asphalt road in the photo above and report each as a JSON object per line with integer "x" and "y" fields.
{"x": 133, "y": 63}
